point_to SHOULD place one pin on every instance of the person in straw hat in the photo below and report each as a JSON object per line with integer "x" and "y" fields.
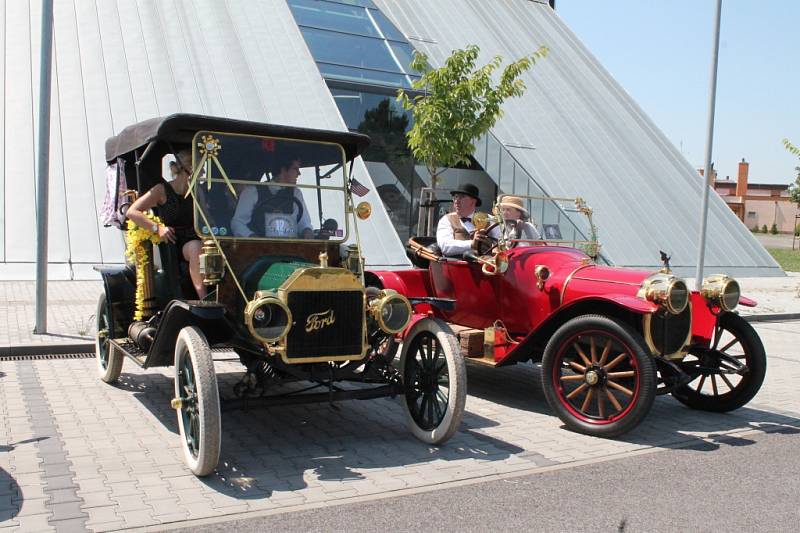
{"x": 515, "y": 217}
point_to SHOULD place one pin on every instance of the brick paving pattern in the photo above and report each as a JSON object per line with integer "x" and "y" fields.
{"x": 87, "y": 455}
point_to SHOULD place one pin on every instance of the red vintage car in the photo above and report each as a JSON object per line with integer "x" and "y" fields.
{"x": 609, "y": 339}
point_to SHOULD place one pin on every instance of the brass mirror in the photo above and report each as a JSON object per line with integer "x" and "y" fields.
{"x": 363, "y": 210}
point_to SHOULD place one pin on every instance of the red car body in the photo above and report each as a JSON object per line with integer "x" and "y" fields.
{"x": 531, "y": 311}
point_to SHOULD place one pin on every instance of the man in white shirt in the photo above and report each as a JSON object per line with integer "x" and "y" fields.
{"x": 271, "y": 211}
{"x": 456, "y": 233}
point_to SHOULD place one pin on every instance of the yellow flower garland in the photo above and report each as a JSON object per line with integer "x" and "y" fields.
{"x": 136, "y": 252}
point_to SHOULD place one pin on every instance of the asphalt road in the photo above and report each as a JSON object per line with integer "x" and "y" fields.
{"x": 744, "y": 483}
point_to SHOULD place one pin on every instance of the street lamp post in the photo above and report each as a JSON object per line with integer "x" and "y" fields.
{"x": 712, "y": 97}
{"x": 43, "y": 167}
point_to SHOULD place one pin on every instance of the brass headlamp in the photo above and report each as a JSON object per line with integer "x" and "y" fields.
{"x": 392, "y": 311}
{"x": 667, "y": 291}
{"x": 267, "y": 317}
{"x": 722, "y": 291}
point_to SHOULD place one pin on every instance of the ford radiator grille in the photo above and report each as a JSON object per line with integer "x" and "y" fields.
{"x": 325, "y": 324}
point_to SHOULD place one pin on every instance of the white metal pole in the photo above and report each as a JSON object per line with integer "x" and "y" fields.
{"x": 43, "y": 167}
{"x": 712, "y": 98}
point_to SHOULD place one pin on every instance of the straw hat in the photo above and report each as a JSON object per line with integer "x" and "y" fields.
{"x": 514, "y": 201}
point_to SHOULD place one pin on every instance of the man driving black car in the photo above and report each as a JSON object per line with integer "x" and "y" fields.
{"x": 274, "y": 210}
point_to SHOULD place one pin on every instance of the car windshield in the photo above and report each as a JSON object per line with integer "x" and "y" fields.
{"x": 251, "y": 187}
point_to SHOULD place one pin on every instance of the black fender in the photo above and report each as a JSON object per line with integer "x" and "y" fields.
{"x": 209, "y": 317}
{"x": 119, "y": 284}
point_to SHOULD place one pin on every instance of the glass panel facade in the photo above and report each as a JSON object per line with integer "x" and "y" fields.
{"x": 353, "y": 41}
{"x": 352, "y": 50}
{"x": 364, "y": 59}
{"x": 333, "y": 16}
{"x": 362, "y": 76}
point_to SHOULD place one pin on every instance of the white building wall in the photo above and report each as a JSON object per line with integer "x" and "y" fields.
{"x": 119, "y": 62}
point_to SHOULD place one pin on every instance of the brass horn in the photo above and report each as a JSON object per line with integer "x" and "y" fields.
{"x": 490, "y": 267}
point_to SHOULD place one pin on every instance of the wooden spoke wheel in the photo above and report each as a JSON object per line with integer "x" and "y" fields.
{"x": 109, "y": 362}
{"x": 728, "y": 373}
{"x": 197, "y": 401}
{"x": 434, "y": 377}
{"x": 598, "y": 376}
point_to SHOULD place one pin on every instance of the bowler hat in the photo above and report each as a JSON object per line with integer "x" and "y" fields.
{"x": 470, "y": 190}
{"x": 514, "y": 201}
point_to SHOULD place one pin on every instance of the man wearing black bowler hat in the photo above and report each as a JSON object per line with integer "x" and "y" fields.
{"x": 456, "y": 233}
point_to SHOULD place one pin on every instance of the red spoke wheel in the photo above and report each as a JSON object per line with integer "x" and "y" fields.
{"x": 719, "y": 386}
{"x": 598, "y": 376}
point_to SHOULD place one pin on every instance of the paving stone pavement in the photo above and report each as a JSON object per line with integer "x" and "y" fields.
{"x": 77, "y": 454}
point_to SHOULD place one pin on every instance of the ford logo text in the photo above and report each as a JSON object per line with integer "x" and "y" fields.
{"x": 318, "y": 321}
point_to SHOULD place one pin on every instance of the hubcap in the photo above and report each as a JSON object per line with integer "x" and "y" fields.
{"x": 596, "y": 376}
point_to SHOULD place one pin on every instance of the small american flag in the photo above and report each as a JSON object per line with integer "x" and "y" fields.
{"x": 357, "y": 188}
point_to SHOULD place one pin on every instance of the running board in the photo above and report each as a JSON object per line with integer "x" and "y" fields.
{"x": 129, "y": 349}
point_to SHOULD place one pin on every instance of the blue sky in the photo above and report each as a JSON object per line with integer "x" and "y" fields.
{"x": 660, "y": 52}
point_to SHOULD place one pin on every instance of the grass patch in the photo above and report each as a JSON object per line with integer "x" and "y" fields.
{"x": 787, "y": 258}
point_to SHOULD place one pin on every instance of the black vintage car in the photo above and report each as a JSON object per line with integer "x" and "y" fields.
{"x": 292, "y": 304}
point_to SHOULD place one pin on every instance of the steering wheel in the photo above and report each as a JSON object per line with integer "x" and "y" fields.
{"x": 493, "y": 241}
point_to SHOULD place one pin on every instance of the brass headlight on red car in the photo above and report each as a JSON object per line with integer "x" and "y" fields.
{"x": 392, "y": 311}
{"x": 667, "y": 291}
{"x": 722, "y": 291}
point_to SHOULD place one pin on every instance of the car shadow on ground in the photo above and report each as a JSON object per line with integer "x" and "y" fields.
{"x": 285, "y": 448}
{"x": 10, "y": 491}
{"x": 669, "y": 423}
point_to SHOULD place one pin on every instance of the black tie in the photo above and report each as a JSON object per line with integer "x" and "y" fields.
{"x": 466, "y": 219}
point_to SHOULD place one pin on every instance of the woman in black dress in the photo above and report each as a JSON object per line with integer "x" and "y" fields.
{"x": 176, "y": 213}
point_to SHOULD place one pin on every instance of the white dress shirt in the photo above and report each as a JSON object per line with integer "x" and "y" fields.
{"x": 247, "y": 202}
{"x": 450, "y": 246}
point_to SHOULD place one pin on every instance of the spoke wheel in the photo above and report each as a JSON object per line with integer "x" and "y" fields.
{"x": 717, "y": 385}
{"x": 434, "y": 377}
{"x": 198, "y": 413}
{"x": 598, "y": 377}
{"x": 109, "y": 362}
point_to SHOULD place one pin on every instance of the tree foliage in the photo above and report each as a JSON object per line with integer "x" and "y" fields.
{"x": 794, "y": 188}
{"x": 459, "y": 103}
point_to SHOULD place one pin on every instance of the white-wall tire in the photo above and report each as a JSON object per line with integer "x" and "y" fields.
{"x": 435, "y": 381}
{"x": 109, "y": 362}
{"x": 199, "y": 420}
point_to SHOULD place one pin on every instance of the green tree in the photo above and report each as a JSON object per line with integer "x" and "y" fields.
{"x": 764, "y": 229}
{"x": 794, "y": 188}
{"x": 459, "y": 103}
{"x": 774, "y": 229}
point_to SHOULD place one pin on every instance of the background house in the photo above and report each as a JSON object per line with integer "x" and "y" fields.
{"x": 758, "y": 204}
